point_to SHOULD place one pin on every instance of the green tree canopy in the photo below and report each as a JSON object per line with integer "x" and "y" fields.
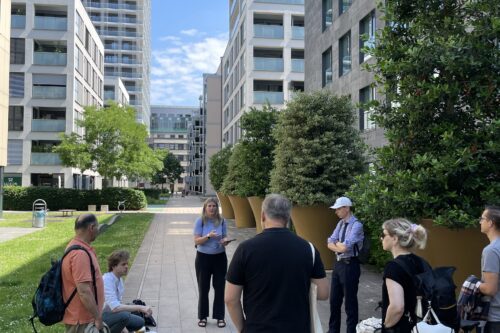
{"x": 218, "y": 167}
{"x": 171, "y": 170}
{"x": 113, "y": 145}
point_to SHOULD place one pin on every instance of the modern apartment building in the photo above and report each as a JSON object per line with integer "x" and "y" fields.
{"x": 264, "y": 59}
{"x": 125, "y": 29}
{"x": 336, "y": 33}
{"x": 115, "y": 90}
{"x": 170, "y": 127}
{"x": 4, "y": 89}
{"x": 212, "y": 88}
{"x": 195, "y": 181}
{"x": 56, "y": 68}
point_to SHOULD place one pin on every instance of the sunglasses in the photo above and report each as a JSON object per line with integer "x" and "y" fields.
{"x": 382, "y": 235}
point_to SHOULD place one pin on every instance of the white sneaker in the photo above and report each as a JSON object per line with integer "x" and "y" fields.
{"x": 141, "y": 330}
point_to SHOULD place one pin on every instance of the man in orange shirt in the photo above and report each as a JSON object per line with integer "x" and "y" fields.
{"x": 86, "y": 305}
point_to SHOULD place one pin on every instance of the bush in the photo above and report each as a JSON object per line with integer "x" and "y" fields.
{"x": 218, "y": 167}
{"x": 22, "y": 198}
{"x": 154, "y": 193}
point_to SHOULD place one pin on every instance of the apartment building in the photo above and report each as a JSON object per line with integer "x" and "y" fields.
{"x": 212, "y": 104}
{"x": 195, "y": 181}
{"x": 115, "y": 90}
{"x": 125, "y": 29}
{"x": 264, "y": 59}
{"x": 170, "y": 127}
{"x": 4, "y": 87}
{"x": 336, "y": 33}
{"x": 56, "y": 68}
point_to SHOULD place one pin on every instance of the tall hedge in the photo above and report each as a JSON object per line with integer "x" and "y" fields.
{"x": 22, "y": 198}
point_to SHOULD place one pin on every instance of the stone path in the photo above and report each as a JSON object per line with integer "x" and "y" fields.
{"x": 8, "y": 233}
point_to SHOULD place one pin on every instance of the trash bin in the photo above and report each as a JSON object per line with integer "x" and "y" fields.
{"x": 39, "y": 218}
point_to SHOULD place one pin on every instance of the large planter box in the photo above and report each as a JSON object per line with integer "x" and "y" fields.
{"x": 225, "y": 204}
{"x": 459, "y": 248}
{"x": 242, "y": 212}
{"x": 316, "y": 224}
{"x": 256, "y": 205}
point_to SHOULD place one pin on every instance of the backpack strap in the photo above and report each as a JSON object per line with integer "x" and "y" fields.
{"x": 92, "y": 270}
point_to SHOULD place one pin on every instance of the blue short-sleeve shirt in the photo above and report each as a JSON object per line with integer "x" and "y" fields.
{"x": 213, "y": 245}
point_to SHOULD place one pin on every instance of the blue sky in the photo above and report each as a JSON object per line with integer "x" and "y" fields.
{"x": 188, "y": 37}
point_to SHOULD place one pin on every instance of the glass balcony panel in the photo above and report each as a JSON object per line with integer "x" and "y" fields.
{"x": 297, "y": 32}
{"x": 298, "y": 65}
{"x": 268, "y": 64}
{"x": 45, "y": 159}
{"x": 109, "y": 95}
{"x": 49, "y": 92}
{"x": 50, "y": 58}
{"x": 112, "y": 19}
{"x": 51, "y": 23}
{"x": 268, "y": 31}
{"x": 288, "y": 2}
{"x": 273, "y": 97}
{"x": 48, "y": 125}
{"x": 18, "y": 21}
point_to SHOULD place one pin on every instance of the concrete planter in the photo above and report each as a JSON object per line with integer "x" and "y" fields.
{"x": 92, "y": 208}
{"x": 256, "y": 205}
{"x": 316, "y": 224}
{"x": 104, "y": 208}
{"x": 459, "y": 248}
{"x": 242, "y": 212}
{"x": 225, "y": 204}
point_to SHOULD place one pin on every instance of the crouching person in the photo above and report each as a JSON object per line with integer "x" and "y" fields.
{"x": 116, "y": 315}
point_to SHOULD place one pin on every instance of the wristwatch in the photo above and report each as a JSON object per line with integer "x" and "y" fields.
{"x": 208, "y": 237}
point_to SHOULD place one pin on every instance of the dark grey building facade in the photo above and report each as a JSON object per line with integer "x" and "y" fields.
{"x": 333, "y": 54}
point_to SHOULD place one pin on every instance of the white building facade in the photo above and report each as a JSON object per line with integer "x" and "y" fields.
{"x": 56, "y": 68}
{"x": 264, "y": 59}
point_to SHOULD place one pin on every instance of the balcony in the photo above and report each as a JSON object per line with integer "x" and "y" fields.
{"x": 45, "y": 159}
{"x": 49, "y": 92}
{"x": 298, "y": 65}
{"x": 48, "y": 125}
{"x": 51, "y": 23}
{"x": 50, "y": 58}
{"x": 263, "y": 97}
{"x": 297, "y": 32}
{"x": 268, "y": 31}
{"x": 285, "y": 2}
{"x": 18, "y": 21}
{"x": 268, "y": 64}
{"x": 109, "y": 95}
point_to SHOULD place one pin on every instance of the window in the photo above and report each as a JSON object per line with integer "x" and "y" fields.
{"x": 17, "y": 51}
{"x": 344, "y": 6}
{"x": 16, "y": 117}
{"x": 366, "y": 35}
{"x": 345, "y": 54}
{"x": 14, "y": 152}
{"x": 327, "y": 13}
{"x": 326, "y": 64}
{"x": 366, "y": 95}
{"x": 16, "y": 84}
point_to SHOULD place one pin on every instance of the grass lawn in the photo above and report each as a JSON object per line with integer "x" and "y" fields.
{"x": 24, "y": 260}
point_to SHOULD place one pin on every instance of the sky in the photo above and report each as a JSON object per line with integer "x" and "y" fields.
{"x": 188, "y": 37}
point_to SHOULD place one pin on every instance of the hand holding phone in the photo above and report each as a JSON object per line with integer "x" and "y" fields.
{"x": 226, "y": 241}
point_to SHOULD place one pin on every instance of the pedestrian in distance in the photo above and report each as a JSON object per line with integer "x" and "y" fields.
{"x": 490, "y": 266}
{"x": 210, "y": 239}
{"x": 81, "y": 272}
{"x": 346, "y": 238}
{"x": 116, "y": 315}
{"x": 274, "y": 271}
{"x": 399, "y": 295}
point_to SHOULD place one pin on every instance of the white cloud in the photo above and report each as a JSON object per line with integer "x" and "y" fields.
{"x": 169, "y": 38}
{"x": 176, "y": 73}
{"x": 190, "y": 32}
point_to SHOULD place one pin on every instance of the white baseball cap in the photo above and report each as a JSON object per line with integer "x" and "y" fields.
{"x": 342, "y": 202}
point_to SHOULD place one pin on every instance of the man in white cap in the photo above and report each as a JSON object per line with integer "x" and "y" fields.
{"x": 346, "y": 240}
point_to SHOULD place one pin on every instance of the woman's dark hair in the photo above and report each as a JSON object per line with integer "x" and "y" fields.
{"x": 83, "y": 221}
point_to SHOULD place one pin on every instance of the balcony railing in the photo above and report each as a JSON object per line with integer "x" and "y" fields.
{"x": 297, "y": 32}
{"x": 48, "y": 125}
{"x": 287, "y": 2}
{"x": 263, "y": 97}
{"x": 51, "y": 23}
{"x": 18, "y": 21}
{"x": 45, "y": 159}
{"x": 268, "y": 64}
{"x": 268, "y": 31}
{"x": 50, "y": 58}
{"x": 111, "y": 5}
{"x": 109, "y": 95}
{"x": 49, "y": 92}
{"x": 298, "y": 65}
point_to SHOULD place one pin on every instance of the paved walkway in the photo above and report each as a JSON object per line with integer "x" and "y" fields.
{"x": 163, "y": 274}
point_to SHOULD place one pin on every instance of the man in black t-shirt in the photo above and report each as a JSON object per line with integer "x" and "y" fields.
{"x": 274, "y": 271}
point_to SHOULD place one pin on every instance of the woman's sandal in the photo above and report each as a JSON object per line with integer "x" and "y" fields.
{"x": 202, "y": 322}
{"x": 221, "y": 323}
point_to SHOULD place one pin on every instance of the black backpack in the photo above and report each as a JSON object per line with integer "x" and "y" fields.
{"x": 437, "y": 289}
{"x": 48, "y": 303}
{"x": 363, "y": 254}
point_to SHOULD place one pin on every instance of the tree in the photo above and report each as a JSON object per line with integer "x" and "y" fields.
{"x": 114, "y": 145}
{"x": 218, "y": 167}
{"x": 438, "y": 66}
{"x": 171, "y": 170}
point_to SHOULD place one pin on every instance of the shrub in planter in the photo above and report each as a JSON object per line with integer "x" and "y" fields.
{"x": 218, "y": 167}
{"x": 318, "y": 151}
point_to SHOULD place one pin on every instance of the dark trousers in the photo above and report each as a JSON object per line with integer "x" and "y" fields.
{"x": 492, "y": 327}
{"x": 119, "y": 320}
{"x": 345, "y": 280}
{"x": 211, "y": 266}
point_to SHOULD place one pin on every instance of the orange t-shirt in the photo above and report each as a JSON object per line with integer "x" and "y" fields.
{"x": 76, "y": 269}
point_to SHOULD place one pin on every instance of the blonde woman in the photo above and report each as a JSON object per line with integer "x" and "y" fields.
{"x": 400, "y": 237}
{"x": 211, "y": 261}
